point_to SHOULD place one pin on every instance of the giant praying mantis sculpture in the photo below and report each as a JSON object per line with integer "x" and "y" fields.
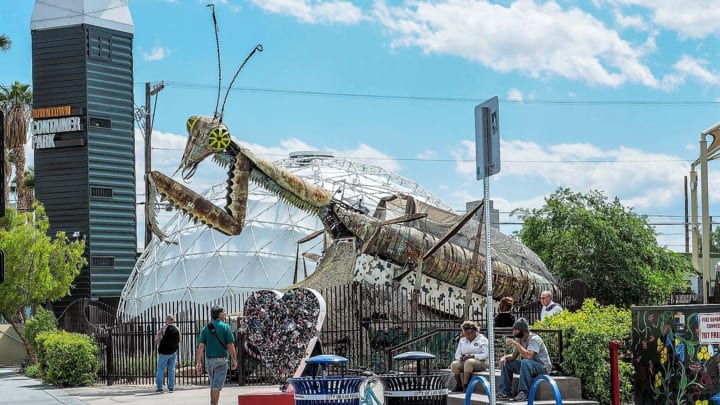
{"x": 399, "y": 242}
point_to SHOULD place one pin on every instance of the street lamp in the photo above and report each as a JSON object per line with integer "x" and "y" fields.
{"x": 706, "y": 154}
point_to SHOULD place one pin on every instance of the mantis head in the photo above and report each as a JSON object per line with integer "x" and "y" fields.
{"x": 206, "y": 136}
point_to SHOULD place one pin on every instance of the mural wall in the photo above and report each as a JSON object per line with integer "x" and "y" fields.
{"x": 676, "y": 354}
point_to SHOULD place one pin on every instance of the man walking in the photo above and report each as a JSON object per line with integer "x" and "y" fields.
{"x": 167, "y": 341}
{"x": 529, "y": 359}
{"x": 215, "y": 340}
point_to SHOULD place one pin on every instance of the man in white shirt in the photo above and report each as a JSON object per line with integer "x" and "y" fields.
{"x": 548, "y": 306}
{"x": 471, "y": 355}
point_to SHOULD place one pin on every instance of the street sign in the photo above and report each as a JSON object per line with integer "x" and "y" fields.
{"x": 487, "y": 138}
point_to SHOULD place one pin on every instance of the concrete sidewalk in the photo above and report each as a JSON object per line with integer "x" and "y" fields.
{"x": 15, "y": 388}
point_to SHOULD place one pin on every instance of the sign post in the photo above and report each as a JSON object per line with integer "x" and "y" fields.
{"x": 487, "y": 158}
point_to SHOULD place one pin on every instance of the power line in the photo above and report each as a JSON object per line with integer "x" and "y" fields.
{"x": 380, "y": 96}
{"x": 377, "y": 158}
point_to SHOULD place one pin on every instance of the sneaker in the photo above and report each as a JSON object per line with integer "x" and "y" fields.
{"x": 502, "y": 395}
{"x": 521, "y": 396}
{"x": 458, "y": 388}
{"x": 171, "y": 389}
{"x": 159, "y": 390}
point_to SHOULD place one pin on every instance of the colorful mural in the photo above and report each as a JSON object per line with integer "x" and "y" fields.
{"x": 676, "y": 354}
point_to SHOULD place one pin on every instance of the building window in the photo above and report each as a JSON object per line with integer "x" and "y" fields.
{"x": 95, "y": 122}
{"x": 103, "y": 261}
{"x": 99, "y": 45}
{"x": 103, "y": 192}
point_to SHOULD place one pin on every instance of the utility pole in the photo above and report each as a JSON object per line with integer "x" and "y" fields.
{"x": 149, "y": 92}
{"x": 687, "y": 219}
{"x": 2, "y": 165}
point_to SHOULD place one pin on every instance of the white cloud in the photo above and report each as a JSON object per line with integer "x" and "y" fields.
{"x": 639, "y": 178}
{"x": 629, "y": 21}
{"x": 539, "y": 40}
{"x": 515, "y": 95}
{"x": 157, "y": 53}
{"x": 689, "y": 67}
{"x": 314, "y": 11}
{"x": 689, "y": 18}
{"x": 427, "y": 154}
{"x": 695, "y": 67}
{"x": 369, "y": 155}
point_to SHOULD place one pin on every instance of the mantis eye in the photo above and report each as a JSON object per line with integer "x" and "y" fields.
{"x": 218, "y": 138}
{"x": 191, "y": 123}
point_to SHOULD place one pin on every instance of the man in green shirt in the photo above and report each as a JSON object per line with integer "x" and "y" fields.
{"x": 215, "y": 340}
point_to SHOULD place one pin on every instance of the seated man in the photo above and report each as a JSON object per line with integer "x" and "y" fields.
{"x": 529, "y": 359}
{"x": 471, "y": 355}
{"x": 549, "y": 307}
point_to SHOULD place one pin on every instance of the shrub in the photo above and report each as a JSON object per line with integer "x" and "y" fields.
{"x": 41, "y": 352}
{"x": 586, "y": 354}
{"x": 138, "y": 365}
{"x": 33, "y": 371}
{"x": 43, "y": 321}
{"x": 68, "y": 359}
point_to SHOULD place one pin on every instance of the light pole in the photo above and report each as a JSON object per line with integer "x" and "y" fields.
{"x": 706, "y": 154}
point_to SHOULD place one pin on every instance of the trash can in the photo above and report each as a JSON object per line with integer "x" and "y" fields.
{"x": 322, "y": 388}
{"x": 423, "y": 387}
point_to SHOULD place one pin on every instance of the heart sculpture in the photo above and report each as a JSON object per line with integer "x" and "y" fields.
{"x": 283, "y": 328}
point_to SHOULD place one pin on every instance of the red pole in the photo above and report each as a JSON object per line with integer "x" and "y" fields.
{"x": 614, "y": 372}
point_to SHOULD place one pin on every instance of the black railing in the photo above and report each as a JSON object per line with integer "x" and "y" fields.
{"x": 442, "y": 343}
{"x": 365, "y": 323}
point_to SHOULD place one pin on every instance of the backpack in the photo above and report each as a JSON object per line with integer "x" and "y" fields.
{"x": 158, "y": 337}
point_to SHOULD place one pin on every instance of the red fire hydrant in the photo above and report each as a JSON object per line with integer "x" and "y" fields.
{"x": 614, "y": 371}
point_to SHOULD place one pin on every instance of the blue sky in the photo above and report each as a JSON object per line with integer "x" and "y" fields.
{"x": 608, "y": 95}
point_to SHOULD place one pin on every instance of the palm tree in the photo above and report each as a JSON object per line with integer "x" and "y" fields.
{"x": 16, "y": 102}
{"x": 4, "y": 42}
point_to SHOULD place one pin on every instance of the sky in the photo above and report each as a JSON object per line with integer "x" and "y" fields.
{"x": 594, "y": 95}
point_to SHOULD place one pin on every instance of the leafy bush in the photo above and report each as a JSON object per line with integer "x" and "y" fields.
{"x": 586, "y": 354}
{"x": 33, "y": 371}
{"x": 43, "y": 321}
{"x": 139, "y": 365}
{"x": 67, "y": 359}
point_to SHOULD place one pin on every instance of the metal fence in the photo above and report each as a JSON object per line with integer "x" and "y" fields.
{"x": 368, "y": 324}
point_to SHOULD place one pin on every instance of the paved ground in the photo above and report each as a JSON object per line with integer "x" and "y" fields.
{"x": 17, "y": 389}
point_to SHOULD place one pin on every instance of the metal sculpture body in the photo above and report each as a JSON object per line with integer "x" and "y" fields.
{"x": 399, "y": 243}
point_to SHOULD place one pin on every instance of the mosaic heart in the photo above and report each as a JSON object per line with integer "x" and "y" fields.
{"x": 283, "y": 328}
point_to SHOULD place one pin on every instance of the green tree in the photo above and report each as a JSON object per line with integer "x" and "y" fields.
{"x": 38, "y": 269}
{"x": 16, "y": 102}
{"x": 714, "y": 240}
{"x": 5, "y": 42}
{"x": 613, "y": 249}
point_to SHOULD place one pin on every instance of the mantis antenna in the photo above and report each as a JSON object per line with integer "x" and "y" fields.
{"x": 217, "y": 46}
{"x": 258, "y": 48}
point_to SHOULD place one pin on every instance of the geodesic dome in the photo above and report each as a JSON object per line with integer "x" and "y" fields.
{"x": 199, "y": 264}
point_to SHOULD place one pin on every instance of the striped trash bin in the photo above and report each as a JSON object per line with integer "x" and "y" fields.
{"x": 326, "y": 389}
{"x": 418, "y": 388}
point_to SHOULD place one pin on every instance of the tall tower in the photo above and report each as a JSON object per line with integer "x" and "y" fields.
{"x": 82, "y": 135}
